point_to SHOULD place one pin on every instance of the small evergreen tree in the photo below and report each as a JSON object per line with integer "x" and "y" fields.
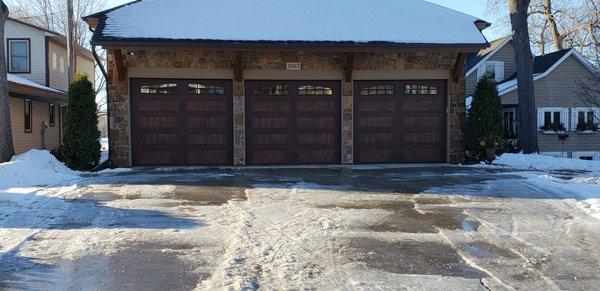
{"x": 81, "y": 145}
{"x": 484, "y": 131}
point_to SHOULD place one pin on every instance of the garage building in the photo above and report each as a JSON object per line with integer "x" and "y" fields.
{"x": 266, "y": 82}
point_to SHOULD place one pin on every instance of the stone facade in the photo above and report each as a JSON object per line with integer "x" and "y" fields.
{"x": 276, "y": 61}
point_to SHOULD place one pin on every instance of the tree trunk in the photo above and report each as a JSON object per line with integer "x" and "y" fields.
{"x": 556, "y": 37}
{"x": 528, "y": 141}
{"x": 6, "y": 142}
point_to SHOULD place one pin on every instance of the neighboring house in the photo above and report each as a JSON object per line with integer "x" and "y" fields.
{"x": 557, "y": 80}
{"x": 37, "y": 83}
{"x": 309, "y": 82}
{"x": 103, "y": 123}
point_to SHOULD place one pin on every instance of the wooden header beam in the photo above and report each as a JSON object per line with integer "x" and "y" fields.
{"x": 459, "y": 67}
{"x": 121, "y": 69}
{"x": 238, "y": 69}
{"x": 349, "y": 67}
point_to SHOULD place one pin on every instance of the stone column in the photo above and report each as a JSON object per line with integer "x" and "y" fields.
{"x": 347, "y": 124}
{"x": 120, "y": 143}
{"x": 239, "y": 128}
{"x": 456, "y": 117}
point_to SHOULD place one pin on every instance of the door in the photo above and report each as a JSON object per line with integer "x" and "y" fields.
{"x": 181, "y": 122}
{"x": 400, "y": 121}
{"x": 293, "y": 122}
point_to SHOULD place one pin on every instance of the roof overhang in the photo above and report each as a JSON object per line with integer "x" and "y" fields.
{"x": 23, "y": 91}
{"x": 284, "y": 45}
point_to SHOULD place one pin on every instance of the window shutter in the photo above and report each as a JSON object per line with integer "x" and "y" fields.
{"x": 564, "y": 117}
{"x": 540, "y": 118}
{"x": 574, "y": 118}
{"x": 499, "y": 71}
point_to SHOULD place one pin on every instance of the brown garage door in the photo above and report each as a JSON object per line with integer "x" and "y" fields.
{"x": 400, "y": 121}
{"x": 293, "y": 122}
{"x": 181, "y": 122}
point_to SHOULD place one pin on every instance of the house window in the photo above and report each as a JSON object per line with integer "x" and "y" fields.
{"x": 18, "y": 56}
{"x": 27, "y": 117}
{"x": 373, "y": 90}
{"x": 52, "y": 112}
{"x": 420, "y": 90}
{"x": 553, "y": 116}
{"x": 304, "y": 90}
{"x": 585, "y": 119}
{"x": 204, "y": 89}
{"x": 165, "y": 88}
{"x": 270, "y": 90}
{"x": 495, "y": 68}
{"x": 510, "y": 122}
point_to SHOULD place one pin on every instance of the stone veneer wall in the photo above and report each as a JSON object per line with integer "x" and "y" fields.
{"x": 274, "y": 60}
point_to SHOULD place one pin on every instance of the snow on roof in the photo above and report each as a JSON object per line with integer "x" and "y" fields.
{"x": 356, "y": 21}
{"x": 20, "y": 80}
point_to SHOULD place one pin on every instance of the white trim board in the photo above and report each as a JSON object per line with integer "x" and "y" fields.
{"x": 572, "y": 52}
{"x": 502, "y": 44}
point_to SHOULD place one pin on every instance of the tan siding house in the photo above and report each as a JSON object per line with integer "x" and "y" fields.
{"x": 557, "y": 78}
{"x": 37, "y": 83}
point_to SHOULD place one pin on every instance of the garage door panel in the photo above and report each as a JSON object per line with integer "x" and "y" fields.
{"x": 158, "y": 106}
{"x": 184, "y": 122}
{"x": 301, "y": 125}
{"x": 209, "y": 106}
{"x": 400, "y": 121}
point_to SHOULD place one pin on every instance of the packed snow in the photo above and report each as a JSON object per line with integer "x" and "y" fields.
{"x": 574, "y": 178}
{"x": 20, "y": 80}
{"x": 357, "y": 21}
{"x": 546, "y": 163}
{"x": 34, "y": 168}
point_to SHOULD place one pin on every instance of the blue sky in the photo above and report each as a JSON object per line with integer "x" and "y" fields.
{"x": 472, "y": 7}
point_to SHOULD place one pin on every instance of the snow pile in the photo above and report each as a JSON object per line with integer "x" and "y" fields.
{"x": 546, "y": 163}
{"x": 34, "y": 168}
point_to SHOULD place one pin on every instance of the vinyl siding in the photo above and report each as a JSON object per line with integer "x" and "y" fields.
{"x": 507, "y": 55}
{"x": 577, "y": 142}
{"x": 57, "y": 68}
{"x": 38, "y": 49}
{"x": 25, "y": 141}
{"x": 86, "y": 66}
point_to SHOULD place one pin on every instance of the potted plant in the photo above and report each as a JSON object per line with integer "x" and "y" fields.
{"x": 553, "y": 128}
{"x": 587, "y": 127}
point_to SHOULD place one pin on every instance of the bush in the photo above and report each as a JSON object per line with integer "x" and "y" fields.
{"x": 484, "y": 131}
{"x": 81, "y": 150}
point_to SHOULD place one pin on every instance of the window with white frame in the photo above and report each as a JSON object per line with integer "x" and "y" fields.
{"x": 585, "y": 119}
{"x": 587, "y": 156}
{"x": 548, "y": 116}
{"x": 495, "y": 68}
{"x": 18, "y": 56}
{"x": 555, "y": 154}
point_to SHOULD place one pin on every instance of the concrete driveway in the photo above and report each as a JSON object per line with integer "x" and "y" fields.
{"x": 289, "y": 228}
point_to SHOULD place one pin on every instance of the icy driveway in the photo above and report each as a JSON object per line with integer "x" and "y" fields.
{"x": 430, "y": 227}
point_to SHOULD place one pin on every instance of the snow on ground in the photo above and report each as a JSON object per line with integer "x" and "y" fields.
{"x": 103, "y": 149}
{"x": 577, "y": 179}
{"x": 34, "y": 168}
{"x": 545, "y": 163}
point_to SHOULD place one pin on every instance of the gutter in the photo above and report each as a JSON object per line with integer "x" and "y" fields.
{"x": 103, "y": 70}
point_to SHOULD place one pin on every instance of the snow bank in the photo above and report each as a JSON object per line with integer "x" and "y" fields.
{"x": 546, "y": 163}
{"x": 34, "y": 168}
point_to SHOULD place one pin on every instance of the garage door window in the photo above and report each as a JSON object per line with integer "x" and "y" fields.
{"x": 306, "y": 90}
{"x": 373, "y": 90}
{"x": 164, "y": 88}
{"x": 268, "y": 90}
{"x": 204, "y": 89}
{"x": 420, "y": 90}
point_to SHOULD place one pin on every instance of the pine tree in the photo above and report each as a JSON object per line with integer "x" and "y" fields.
{"x": 81, "y": 149}
{"x": 484, "y": 130}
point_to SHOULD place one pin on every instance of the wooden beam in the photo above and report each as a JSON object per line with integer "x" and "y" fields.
{"x": 459, "y": 67}
{"x": 349, "y": 67}
{"x": 121, "y": 69}
{"x": 238, "y": 69}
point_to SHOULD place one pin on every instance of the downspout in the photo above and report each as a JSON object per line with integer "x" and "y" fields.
{"x": 103, "y": 70}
